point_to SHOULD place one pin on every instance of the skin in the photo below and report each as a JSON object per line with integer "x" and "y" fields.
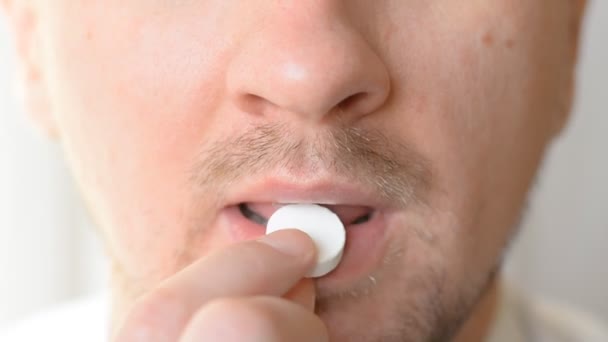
{"x": 141, "y": 94}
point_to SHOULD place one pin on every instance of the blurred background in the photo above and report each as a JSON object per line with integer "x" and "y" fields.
{"x": 49, "y": 254}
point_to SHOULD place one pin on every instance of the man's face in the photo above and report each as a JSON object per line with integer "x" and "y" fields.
{"x": 422, "y": 124}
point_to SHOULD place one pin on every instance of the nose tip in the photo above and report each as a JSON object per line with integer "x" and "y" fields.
{"x": 308, "y": 74}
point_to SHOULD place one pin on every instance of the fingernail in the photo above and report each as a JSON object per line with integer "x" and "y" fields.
{"x": 291, "y": 242}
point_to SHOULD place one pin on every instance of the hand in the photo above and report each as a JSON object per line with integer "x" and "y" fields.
{"x": 248, "y": 292}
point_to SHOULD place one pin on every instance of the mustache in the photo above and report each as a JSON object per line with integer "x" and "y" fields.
{"x": 390, "y": 168}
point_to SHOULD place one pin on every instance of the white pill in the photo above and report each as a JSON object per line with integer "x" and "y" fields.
{"x": 321, "y": 224}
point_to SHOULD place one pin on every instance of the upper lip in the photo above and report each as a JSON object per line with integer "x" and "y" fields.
{"x": 319, "y": 191}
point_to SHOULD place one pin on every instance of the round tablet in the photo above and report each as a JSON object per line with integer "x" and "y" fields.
{"x": 321, "y": 224}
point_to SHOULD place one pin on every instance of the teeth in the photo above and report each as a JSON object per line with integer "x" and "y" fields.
{"x": 252, "y": 215}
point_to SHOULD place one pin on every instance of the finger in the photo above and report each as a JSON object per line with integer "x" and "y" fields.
{"x": 269, "y": 266}
{"x": 255, "y": 319}
{"x": 303, "y": 293}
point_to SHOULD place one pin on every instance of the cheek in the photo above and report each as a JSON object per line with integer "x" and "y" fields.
{"x": 135, "y": 100}
{"x": 479, "y": 97}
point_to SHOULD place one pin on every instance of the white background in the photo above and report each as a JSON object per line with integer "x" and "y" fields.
{"x": 48, "y": 253}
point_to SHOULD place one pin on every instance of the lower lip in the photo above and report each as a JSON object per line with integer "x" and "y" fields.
{"x": 365, "y": 245}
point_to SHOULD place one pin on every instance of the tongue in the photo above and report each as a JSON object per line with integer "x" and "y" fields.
{"x": 347, "y": 213}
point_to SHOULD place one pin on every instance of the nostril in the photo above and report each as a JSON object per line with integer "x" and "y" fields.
{"x": 253, "y": 104}
{"x": 348, "y": 103}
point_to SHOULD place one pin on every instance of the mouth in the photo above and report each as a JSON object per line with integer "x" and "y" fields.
{"x": 365, "y": 217}
{"x": 350, "y": 215}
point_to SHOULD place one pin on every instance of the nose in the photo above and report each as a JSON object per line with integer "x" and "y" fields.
{"x": 306, "y": 62}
